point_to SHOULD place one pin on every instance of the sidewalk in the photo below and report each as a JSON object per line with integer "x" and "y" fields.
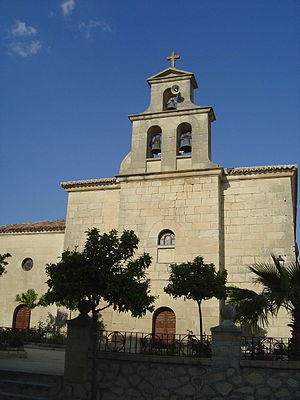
{"x": 40, "y": 361}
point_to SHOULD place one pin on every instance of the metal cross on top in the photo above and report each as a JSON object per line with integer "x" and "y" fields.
{"x": 173, "y": 57}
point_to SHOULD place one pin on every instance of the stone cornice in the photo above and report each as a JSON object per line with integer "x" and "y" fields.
{"x": 171, "y": 174}
{"x": 91, "y": 184}
{"x": 175, "y": 113}
{"x": 51, "y": 226}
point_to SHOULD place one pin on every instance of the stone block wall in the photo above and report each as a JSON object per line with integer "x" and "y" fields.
{"x": 232, "y": 219}
{"x": 258, "y": 221}
{"x": 88, "y": 207}
{"x": 126, "y": 377}
{"x": 187, "y": 204}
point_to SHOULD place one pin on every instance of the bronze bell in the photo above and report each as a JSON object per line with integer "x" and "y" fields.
{"x": 156, "y": 144}
{"x": 186, "y": 143}
{"x": 172, "y": 103}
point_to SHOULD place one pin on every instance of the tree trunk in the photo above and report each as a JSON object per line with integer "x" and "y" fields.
{"x": 94, "y": 349}
{"x": 200, "y": 320}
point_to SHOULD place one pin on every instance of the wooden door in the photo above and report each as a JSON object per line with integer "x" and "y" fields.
{"x": 21, "y": 317}
{"x": 165, "y": 324}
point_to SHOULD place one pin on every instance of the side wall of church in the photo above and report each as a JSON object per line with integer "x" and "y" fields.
{"x": 258, "y": 220}
{"x": 42, "y": 248}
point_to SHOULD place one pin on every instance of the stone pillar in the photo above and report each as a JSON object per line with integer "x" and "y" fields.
{"x": 226, "y": 341}
{"x": 77, "y": 363}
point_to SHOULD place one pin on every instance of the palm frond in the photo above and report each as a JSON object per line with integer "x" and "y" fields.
{"x": 251, "y": 307}
{"x": 293, "y": 271}
{"x": 275, "y": 280}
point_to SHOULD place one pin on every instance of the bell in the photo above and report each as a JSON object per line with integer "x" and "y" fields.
{"x": 171, "y": 106}
{"x": 172, "y": 103}
{"x": 155, "y": 146}
{"x": 185, "y": 145}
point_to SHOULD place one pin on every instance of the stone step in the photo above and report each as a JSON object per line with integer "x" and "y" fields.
{"x": 26, "y": 387}
{"x": 18, "y": 396}
{"x": 21, "y": 385}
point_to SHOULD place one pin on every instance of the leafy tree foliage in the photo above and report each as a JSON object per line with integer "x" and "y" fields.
{"x": 104, "y": 273}
{"x": 280, "y": 288}
{"x": 29, "y": 298}
{"x": 197, "y": 281}
{"x": 3, "y": 262}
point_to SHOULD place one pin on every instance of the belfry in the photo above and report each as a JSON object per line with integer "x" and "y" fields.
{"x": 180, "y": 203}
{"x": 173, "y": 133}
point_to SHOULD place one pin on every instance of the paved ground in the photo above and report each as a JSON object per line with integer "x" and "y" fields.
{"x": 38, "y": 361}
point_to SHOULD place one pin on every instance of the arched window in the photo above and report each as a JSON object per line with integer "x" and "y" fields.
{"x": 154, "y": 142}
{"x": 184, "y": 139}
{"x": 164, "y": 324}
{"x": 166, "y": 238}
{"x": 21, "y": 317}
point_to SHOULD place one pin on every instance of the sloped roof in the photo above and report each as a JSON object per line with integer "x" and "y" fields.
{"x": 53, "y": 225}
{"x": 171, "y": 73}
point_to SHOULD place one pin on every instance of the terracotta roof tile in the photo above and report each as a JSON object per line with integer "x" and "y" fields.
{"x": 39, "y": 226}
{"x": 89, "y": 182}
{"x": 262, "y": 169}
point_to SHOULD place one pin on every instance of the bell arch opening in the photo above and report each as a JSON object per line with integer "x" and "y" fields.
{"x": 154, "y": 136}
{"x": 170, "y": 100}
{"x": 184, "y": 139}
{"x": 21, "y": 317}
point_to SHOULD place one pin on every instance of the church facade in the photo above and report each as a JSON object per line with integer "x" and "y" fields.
{"x": 179, "y": 203}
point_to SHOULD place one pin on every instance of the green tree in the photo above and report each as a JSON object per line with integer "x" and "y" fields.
{"x": 29, "y": 299}
{"x": 197, "y": 281}
{"x": 104, "y": 273}
{"x": 280, "y": 288}
{"x": 3, "y": 262}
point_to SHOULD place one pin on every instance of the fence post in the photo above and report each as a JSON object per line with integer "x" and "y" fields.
{"x": 77, "y": 366}
{"x": 226, "y": 341}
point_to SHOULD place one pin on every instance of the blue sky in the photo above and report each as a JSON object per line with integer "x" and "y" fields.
{"x": 72, "y": 70}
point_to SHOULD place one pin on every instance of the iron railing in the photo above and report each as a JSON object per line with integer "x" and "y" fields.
{"x": 265, "y": 348}
{"x": 155, "y": 344}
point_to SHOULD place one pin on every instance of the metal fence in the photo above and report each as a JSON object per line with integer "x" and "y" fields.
{"x": 155, "y": 344}
{"x": 265, "y": 348}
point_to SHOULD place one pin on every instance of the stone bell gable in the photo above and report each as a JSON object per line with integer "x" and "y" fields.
{"x": 173, "y": 134}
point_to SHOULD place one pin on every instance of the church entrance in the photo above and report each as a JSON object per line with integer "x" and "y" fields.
{"x": 21, "y": 319}
{"x": 164, "y": 324}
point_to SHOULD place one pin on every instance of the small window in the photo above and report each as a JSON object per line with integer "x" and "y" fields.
{"x": 27, "y": 264}
{"x": 166, "y": 238}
